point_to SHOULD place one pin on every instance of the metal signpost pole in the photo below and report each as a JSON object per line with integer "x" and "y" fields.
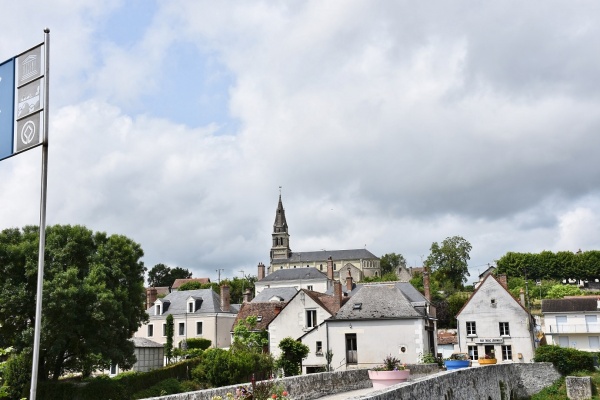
{"x": 40, "y": 278}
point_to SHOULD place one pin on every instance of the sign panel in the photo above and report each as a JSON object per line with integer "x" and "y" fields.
{"x": 7, "y": 107}
{"x": 491, "y": 341}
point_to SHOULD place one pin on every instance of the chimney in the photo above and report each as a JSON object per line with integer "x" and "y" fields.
{"x": 261, "y": 271}
{"x": 330, "y": 268}
{"x": 337, "y": 294}
{"x": 278, "y": 308}
{"x": 426, "y": 288}
{"x": 248, "y": 296}
{"x": 522, "y": 297}
{"x": 151, "y": 295}
{"x": 225, "y": 299}
{"x": 349, "y": 281}
{"x": 502, "y": 280}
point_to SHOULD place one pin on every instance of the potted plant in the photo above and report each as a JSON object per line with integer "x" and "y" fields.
{"x": 390, "y": 373}
{"x": 456, "y": 361}
{"x": 489, "y": 358}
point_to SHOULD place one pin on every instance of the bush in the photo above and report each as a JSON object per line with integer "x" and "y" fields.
{"x": 168, "y": 386}
{"x": 17, "y": 375}
{"x": 564, "y": 359}
{"x": 198, "y": 343}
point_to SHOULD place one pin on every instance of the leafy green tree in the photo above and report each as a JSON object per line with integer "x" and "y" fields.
{"x": 390, "y": 262}
{"x": 92, "y": 298}
{"x": 162, "y": 275}
{"x": 560, "y": 291}
{"x": 170, "y": 331}
{"x": 247, "y": 337}
{"x": 450, "y": 260}
{"x": 292, "y": 354}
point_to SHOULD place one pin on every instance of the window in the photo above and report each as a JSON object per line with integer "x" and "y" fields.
{"x": 199, "y": 328}
{"x": 506, "y": 352}
{"x": 471, "y": 328}
{"x": 473, "y": 353}
{"x": 504, "y": 331}
{"x": 157, "y": 310}
{"x": 493, "y": 302}
{"x": 594, "y": 342}
{"x": 150, "y": 330}
{"x": 190, "y": 307}
{"x": 563, "y": 341}
{"x": 181, "y": 328}
{"x": 319, "y": 350}
{"x": 164, "y": 329}
{"x": 321, "y": 267}
{"x": 311, "y": 318}
{"x": 309, "y": 287}
{"x": 334, "y": 267}
{"x": 351, "y": 349}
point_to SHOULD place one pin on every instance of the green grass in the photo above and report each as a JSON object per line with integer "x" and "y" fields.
{"x": 558, "y": 391}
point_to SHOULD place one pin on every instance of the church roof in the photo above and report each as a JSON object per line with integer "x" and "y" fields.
{"x": 323, "y": 255}
{"x": 294, "y": 274}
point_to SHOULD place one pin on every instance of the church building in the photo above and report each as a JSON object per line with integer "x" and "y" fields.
{"x": 360, "y": 263}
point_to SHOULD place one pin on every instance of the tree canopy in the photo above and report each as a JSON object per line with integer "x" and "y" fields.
{"x": 548, "y": 265}
{"x": 92, "y": 298}
{"x": 450, "y": 260}
{"x": 389, "y": 262}
{"x": 162, "y": 275}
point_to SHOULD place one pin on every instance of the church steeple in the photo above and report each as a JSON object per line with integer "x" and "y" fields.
{"x": 280, "y": 249}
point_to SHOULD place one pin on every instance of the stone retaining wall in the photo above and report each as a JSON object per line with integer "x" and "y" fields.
{"x": 494, "y": 382}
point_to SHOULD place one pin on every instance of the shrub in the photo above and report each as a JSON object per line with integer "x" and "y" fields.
{"x": 198, "y": 343}
{"x": 17, "y": 375}
{"x": 564, "y": 359}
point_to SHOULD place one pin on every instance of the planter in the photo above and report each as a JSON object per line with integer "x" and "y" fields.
{"x": 456, "y": 364}
{"x": 383, "y": 379}
{"x": 487, "y": 361}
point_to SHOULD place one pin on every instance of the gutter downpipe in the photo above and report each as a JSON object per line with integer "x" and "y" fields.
{"x": 458, "y": 335}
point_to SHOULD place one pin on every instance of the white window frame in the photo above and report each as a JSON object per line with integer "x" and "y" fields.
{"x": 199, "y": 325}
{"x": 181, "y": 329}
{"x": 506, "y": 352}
{"x": 311, "y": 318}
{"x": 471, "y": 328}
{"x": 504, "y": 328}
{"x": 473, "y": 352}
{"x": 150, "y": 330}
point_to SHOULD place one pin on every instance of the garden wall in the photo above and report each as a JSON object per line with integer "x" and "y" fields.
{"x": 494, "y": 382}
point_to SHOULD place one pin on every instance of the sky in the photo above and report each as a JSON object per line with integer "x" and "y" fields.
{"x": 384, "y": 125}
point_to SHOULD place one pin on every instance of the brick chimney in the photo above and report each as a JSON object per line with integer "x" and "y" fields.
{"x": 151, "y": 296}
{"x": 278, "y": 308}
{"x": 337, "y": 294}
{"x": 225, "y": 299}
{"x": 261, "y": 271}
{"x": 349, "y": 281}
{"x": 330, "y": 268}
{"x": 248, "y": 296}
{"x": 503, "y": 282}
{"x": 426, "y": 283}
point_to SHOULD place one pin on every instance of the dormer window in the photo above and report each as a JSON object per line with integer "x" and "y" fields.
{"x": 259, "y": 318}
{"x": 357, "y": 306}
{"x": 191, "y": 307}
{"x": 157, "y": 309}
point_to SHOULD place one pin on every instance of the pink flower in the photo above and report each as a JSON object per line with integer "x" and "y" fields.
{"x": 274, "y": 396}
{"x": 284, "y": 393}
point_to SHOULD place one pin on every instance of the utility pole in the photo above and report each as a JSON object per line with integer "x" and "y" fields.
{"x": 219, "y": 272}
{"x": 243, "y": 280}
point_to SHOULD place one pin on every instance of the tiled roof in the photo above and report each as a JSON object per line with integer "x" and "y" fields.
{"x": 211, "y": 302}
{"x": 294, "y": 274}
{"x": 179, "y": 282}
{"x": 378, "y": 301}
{"x": 570, "y": 305}
{"x": 268, "y": 312}
{"x": 445, "y": 337}
{"x": 327, "y": 301}
{"x": 286, "y": 293}
{"x": 323, "y": 255}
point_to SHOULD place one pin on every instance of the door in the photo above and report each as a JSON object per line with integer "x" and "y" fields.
{"x": 351, "y": 349}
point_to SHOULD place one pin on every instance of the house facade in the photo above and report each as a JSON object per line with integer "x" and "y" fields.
{"x": 361, "y": 262}
{"x": 493, "y": 322}
{"x": 196, "y": 314}
{"x": 572, "y": 322}
{"x": 298, "y": 278}
{"x": 377, "y": 321}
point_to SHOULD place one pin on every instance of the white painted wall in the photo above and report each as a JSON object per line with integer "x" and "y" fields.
{"x": 320, "y": 285}
{"x": 577, "y": 330}
{"x": 490, "y": 305}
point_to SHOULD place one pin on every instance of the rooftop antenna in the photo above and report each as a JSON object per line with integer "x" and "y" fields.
{"x": 219, "y": 272}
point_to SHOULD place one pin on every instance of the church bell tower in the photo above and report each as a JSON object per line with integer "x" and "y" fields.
{"x": 280, "y": 248}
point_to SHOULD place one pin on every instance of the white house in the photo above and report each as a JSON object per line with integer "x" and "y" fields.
{"x": 377, "y": 321}
{"x": 198, "y": 313}
{"x": 572, "y": 322}
{"x": 492, "y": 321}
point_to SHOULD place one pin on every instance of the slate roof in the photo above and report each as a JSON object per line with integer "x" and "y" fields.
{"x": 291, "y": 274}
{"x": 378, "y": 302}
{"x": 286, "y": 293}
{"x": 323, "y": 255}
{"x": 267, "y": 311}
{"x": 577, "y": 304}
{"x": 211, "y": 302}
{"x": 143, "y": 342}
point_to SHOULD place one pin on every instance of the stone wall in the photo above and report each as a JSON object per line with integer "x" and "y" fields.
{"x": 493, "y": 382}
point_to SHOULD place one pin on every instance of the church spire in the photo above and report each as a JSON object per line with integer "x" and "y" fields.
{"x": 280, "y": 248}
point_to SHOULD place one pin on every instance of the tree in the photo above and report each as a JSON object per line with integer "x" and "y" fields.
{"x": 559, "y": 291}
{"x": 390, "y": 262}
{"x": 450, "y": 260}
{"x": 292, "y": 353}
{"x": 170, "y": 331}
{"x": 92, "y": 298}
{"x": 162, "y": 275}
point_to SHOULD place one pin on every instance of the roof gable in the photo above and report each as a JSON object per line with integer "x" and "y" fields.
{"x": 482, "y": 297}
{"x": 378, "y": 301}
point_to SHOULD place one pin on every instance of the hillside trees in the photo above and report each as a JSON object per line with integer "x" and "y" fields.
{"x": 92, "y": 298}
{"x": 449, "y": 261}
{"x": 548, "y": 265}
